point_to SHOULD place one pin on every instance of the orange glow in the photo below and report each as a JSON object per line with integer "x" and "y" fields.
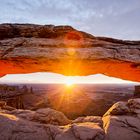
{"x": 69, "y": 100}
{"x": 72, "y": 40}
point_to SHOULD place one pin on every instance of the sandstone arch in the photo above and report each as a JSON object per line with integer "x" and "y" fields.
{"x": 26, "y": 48}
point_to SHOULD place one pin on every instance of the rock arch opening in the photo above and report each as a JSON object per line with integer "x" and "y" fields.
{"x": 89, "y": 94}
{"x": 54, "y": 78}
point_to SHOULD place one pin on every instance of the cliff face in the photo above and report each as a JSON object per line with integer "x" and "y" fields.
{"x": 14, "y": 96}
{"x": 26, "y": 48}
{"x": 137, "y": 91}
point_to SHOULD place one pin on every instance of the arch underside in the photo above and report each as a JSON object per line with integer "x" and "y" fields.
{"x": 27, "y": 48}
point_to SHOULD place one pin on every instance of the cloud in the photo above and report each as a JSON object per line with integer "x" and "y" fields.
{"x": 113, "y": 18}
{"x": 58, "y": 78}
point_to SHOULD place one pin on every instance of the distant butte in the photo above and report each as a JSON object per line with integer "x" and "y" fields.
{"x": 27, "y": 48}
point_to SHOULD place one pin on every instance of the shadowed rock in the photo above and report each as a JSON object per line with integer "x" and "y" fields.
{"x": 122, "y": 127}
{"x": 26, "y": 48}
{"x": 122, "y": 121}
{"x": 119, "y": 108}
{"x": 82, "y": 131}
{"x": 12, "y": 127}
{"x": 94, "y": 119}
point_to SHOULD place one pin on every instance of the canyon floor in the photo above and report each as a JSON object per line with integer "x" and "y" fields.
{"x": 75, "y": 101}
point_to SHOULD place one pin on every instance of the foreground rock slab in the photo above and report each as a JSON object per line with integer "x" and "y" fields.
{"x": 44, "y": 115}
{"x": 94, "y": 119}
{"x": 82, "y": 131}
{"x": 120, "y": 122}
{"x": 122, "y": 127}
{"x": 14, "y": 128}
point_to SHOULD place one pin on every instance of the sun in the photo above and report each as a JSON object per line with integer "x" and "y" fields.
{"x": 69, "y": 82}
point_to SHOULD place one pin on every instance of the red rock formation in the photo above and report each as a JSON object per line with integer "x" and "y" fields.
{"x": 26, "y": 48}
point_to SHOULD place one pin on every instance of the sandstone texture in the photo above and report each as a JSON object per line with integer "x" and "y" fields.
{"x": 121, "y": 121}
{"x": 14, "y": 128}
{"x": 27, "y": 48}
{"x": 44, "y": 115}
{"x": 82, "y": 131}
{"x": 95, "y": 119}
{"x": 21, "y": 126}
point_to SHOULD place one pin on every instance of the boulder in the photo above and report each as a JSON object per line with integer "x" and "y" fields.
{"x": 44, "y": 115}
{"x": 119, "y": 108}
{"x": 121, "y": 127}
{"x": 47, "y": 115}
{"x": 88, "y": 131}
{"x": 82, "y": 131}
{"x": 94, "y": 119}
{"x": 14, "y": 128}
{"x": 122, "y": 121}
{"x": 134, "y": 103}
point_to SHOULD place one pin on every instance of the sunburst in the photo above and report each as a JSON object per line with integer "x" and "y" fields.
{"x": 69, "y": 82}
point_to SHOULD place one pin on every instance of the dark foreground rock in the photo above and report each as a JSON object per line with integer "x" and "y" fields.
{"x": 120, "y": 122}
{"x": 16, "y": 128}
{"x": 122, "y": 127}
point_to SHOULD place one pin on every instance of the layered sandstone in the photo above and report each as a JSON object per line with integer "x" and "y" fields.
{"x": 26, "y": 48}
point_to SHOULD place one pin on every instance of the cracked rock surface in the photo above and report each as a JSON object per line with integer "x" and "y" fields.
{"x": 122, "y": 121}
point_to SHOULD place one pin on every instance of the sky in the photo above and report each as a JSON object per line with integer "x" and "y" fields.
{"x": 112, "y": 18}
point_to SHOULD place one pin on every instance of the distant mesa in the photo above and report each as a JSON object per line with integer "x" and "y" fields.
{"x": 137, "y": 91}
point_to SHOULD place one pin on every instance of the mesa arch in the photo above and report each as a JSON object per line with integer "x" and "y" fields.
{"x": 27, "y": 48}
